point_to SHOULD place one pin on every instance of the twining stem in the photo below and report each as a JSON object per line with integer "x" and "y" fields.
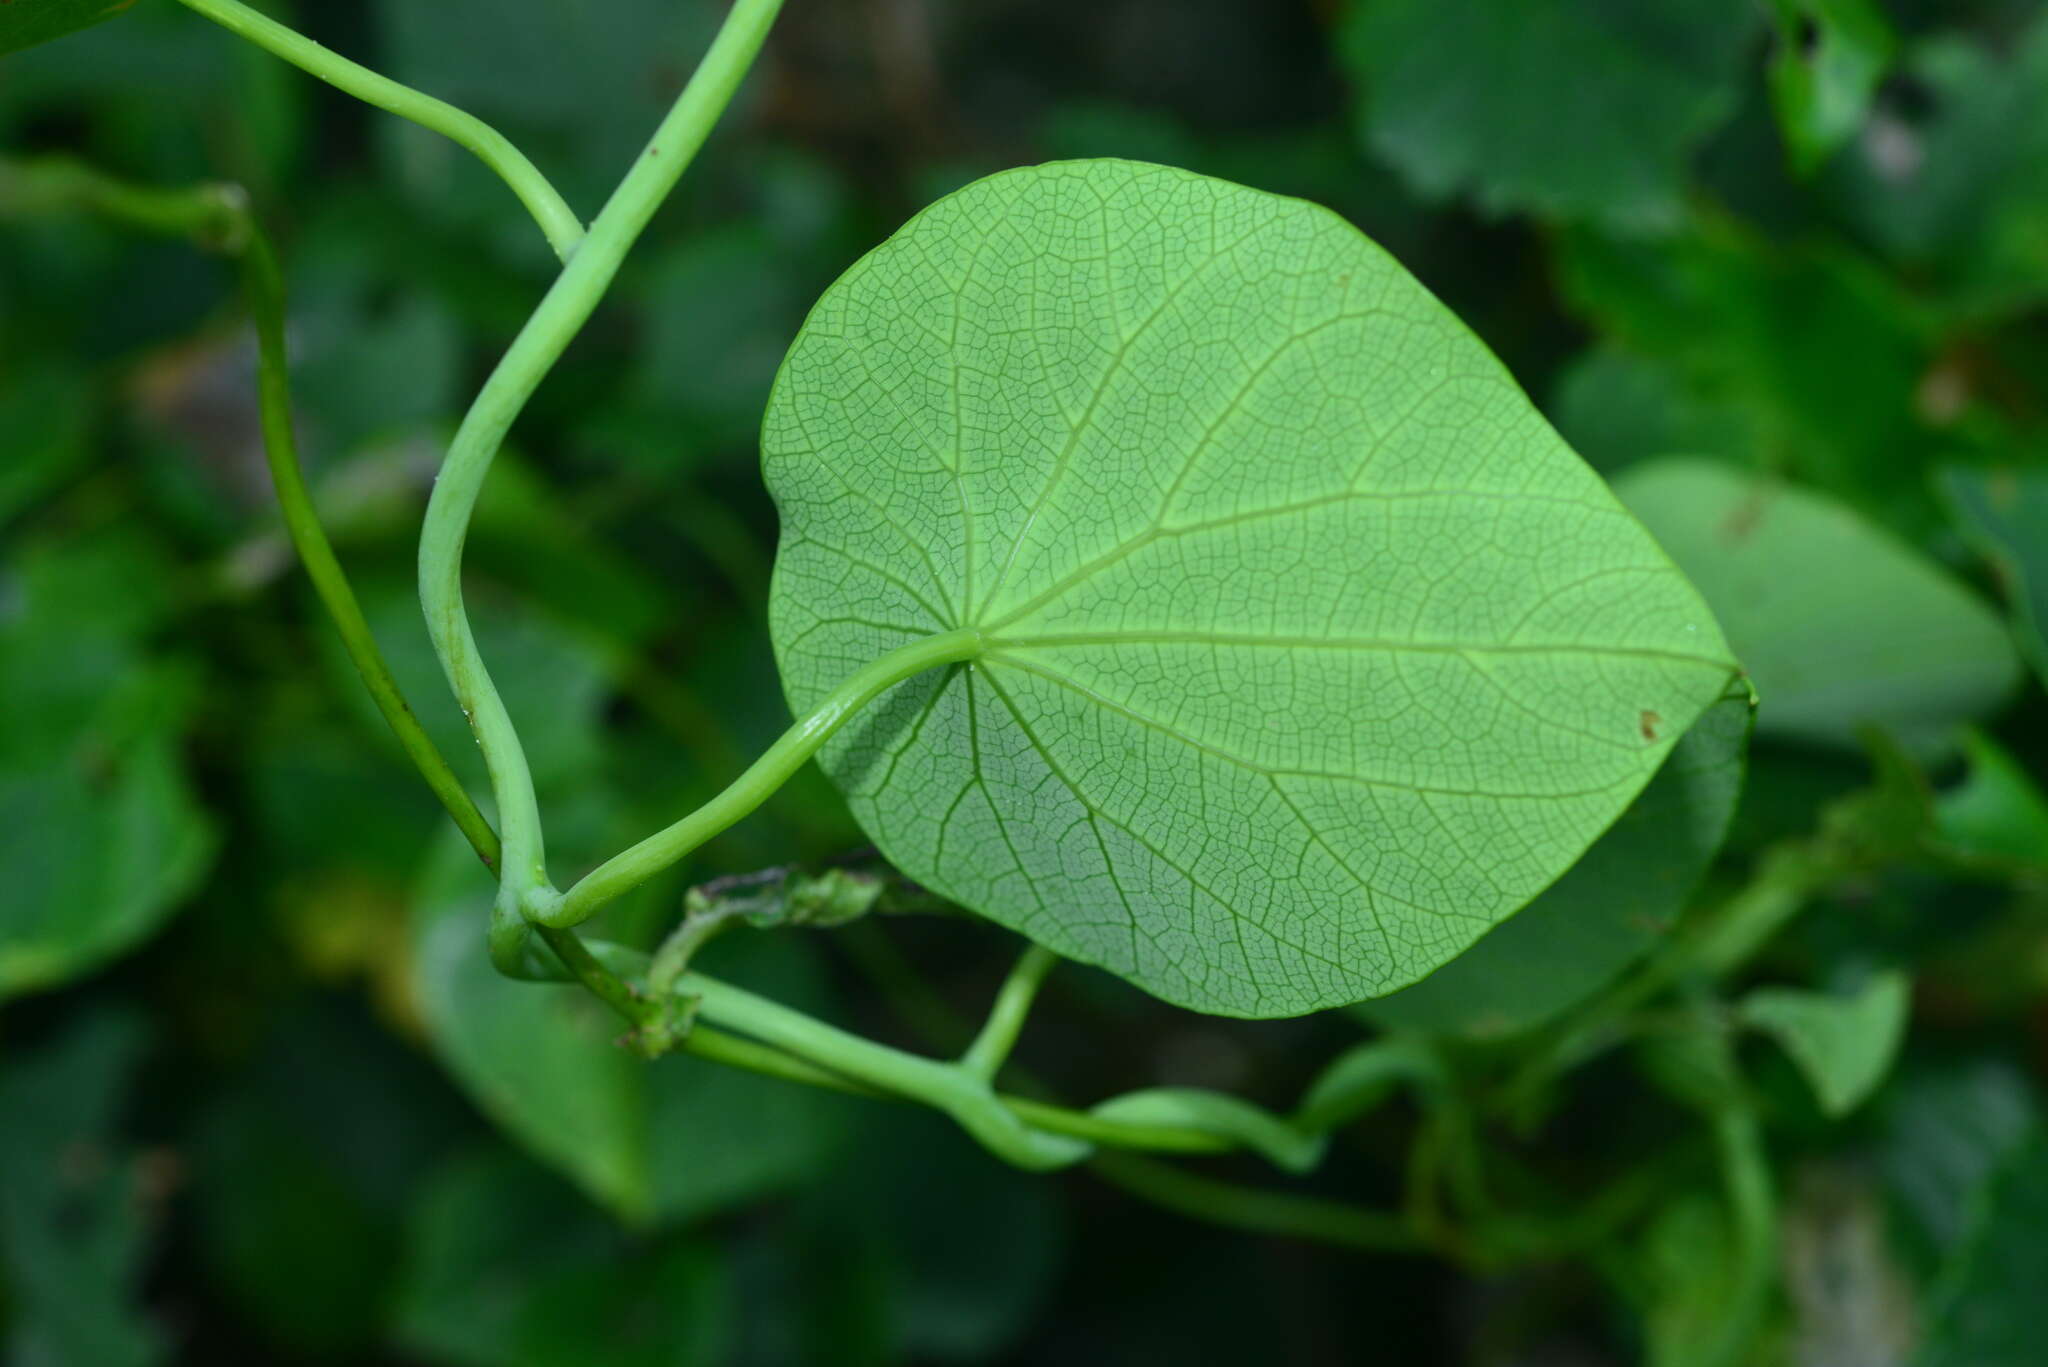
{"x": 1006, "y": 1018}
{"x": 554, "y": 324}
{"x": 265, "y": 290}
{"x": 1259, "y": 1212}
{"x": 944, "y": 1086}
{"x": 627, "y": 870}
{"x": 564, "y": 230}
{"x": 219, "y": 216}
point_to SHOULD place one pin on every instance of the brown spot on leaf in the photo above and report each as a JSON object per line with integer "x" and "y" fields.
{"x": 1649, "y": 722}
{"x": 1741, "y": 522}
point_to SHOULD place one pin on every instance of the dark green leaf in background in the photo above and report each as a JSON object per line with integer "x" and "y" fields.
{"x": 507, "y": 1266}
{"x": 100, "y": 831}
{"x": 2005, "y": 514}
{"x": 1815, "y": 349}
{"x": 670, "y": 1140}
{"x": 1617, "y": 408}
{"x": 1987, "y": 1311}
{"x": 25, "y": 23}
{"x": 76, "y": 1208}
{"x": 1957, "y": 182}
{"x": 1578, "y": 109}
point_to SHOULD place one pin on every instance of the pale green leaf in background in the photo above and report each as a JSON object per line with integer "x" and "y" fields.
{"x": 1310, "y": 650}
{"x": 1613, "y": 905}
{"x": 1843, "y": 1043}
{"x": 1583, "y": 109}
{"x": 1839, "y": 625}
{"x": 1997, "y": 812}
{"x": 1829, "y": 57}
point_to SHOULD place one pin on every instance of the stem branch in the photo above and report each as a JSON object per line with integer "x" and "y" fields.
{"x": 557, "y": 220}
{"x": 626, "y": 871}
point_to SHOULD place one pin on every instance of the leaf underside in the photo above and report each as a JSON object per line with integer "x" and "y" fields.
{"x": 1311, "y": 651}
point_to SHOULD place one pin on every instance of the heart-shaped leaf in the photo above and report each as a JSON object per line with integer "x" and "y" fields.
{"x": 25, "y": 23}
{"x": 1309, "y": 650}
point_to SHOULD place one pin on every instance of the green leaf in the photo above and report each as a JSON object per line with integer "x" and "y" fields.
{"x": 1311, "y": 651}
{"x": 1616, "y": 408}
{"x": 1957, "y": 185}
{"x": 506, "y": 1267}
{"x": 669, "y": 1140}
{"x": 95, "y": 861}
{"x": 1943, "y": 1131}
{"x": 1817, "y": 352}
{"x": 101, "y": 834}
{"x": 1997, "y": 812}
{"x": 1610, "y": 909}
{"x": 1839, "y": 625}
{"x": 300, "y": 1178}
{"x": 1560, "y": 107}
{"x": 25, "y": 23}
{"x": 1844, "y": 1044}
{"x": 45, "y": 411}
{"x": 1829, "y": 58}
{"x": 74, "y": 1204}
{"x": 720, "y": 308}
{"x": 958, "y": 1257}
{"x": 1987, "y": 1310}
{"x": 2005, "y": 513}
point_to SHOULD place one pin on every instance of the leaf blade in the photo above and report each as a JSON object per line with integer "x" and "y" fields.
{"x": 1065, "y": 406}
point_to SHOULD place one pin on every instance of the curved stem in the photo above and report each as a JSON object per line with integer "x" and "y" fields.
{"x": 561, "y": 314}
{"x": 1259, "y": 1212}
{"x": 944, "y": 1086}
{"x": 1006, "y": 1018}
{"x": 564, "y": 230}
{"x": 265, "y": 285}
{"x": 626, "y": 871}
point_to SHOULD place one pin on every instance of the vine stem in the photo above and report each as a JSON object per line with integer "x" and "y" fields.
{"x": 786, "y": 1043}
{"x": 1006, "y": 1018}
{"x": 219, "y": 216}
{"x": 546, "y": 335}
{"x": 1256, "y": 1211}
{"x": 945, "y": 1086}
{"x": 265, "y": 290}
{"x": 557, "y": 220}
{"x": 627, "y": 870}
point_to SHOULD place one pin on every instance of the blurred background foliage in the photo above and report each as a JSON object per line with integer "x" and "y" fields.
{"x": 260, "y": 1093}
